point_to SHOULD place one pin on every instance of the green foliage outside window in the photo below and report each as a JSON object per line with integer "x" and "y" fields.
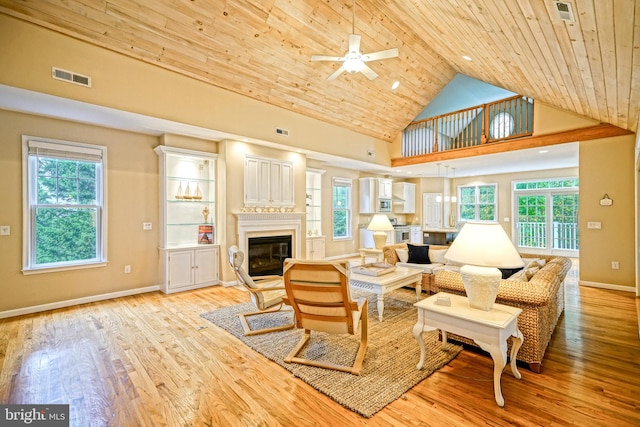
{"x": 66, "y": 213}
{"x": 478, "y": 203}
{"x": 341, "y": 211}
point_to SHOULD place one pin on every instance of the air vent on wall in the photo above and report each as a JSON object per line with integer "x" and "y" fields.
{"x": 565, "y": 11}
{"x": 281, "y": 131}
{"x": 71, "y": 77}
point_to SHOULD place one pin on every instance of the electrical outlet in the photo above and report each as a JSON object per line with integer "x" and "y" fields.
{"x": 615, "y": 265}
{"x": 127, "y": 269}
{"x": 147, "y": 226}
{"x": 5, "y": 230}
{"x": 596, "y": 225}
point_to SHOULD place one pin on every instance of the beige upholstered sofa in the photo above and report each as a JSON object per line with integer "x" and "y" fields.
{"x": 391, "y": 256}
{"x": 541, "y": 299}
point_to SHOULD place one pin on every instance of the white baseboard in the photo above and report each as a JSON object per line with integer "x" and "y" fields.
{"x": 76, "y": 301}
{"x": 607, "y": 286}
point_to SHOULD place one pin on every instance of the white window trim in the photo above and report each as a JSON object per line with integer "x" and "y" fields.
{"x": 344, "y": 182}
{"x": 482, "y": 184}
{"x": 77, "y": 147}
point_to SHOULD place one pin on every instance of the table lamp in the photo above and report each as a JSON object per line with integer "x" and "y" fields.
{"x": 483, "y": 248}
{"x": 380, "y": 224}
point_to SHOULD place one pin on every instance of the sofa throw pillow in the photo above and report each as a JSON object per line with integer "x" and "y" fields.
{"x": 418, "y": 254}
{"x": 403, "y": 254}
{"x": 508, "y": 272}
{"x": 520, "y": 276}
{"x": 437, "y": 256}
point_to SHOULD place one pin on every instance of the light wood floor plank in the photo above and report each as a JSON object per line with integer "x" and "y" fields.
{"x": 152, "y": 360}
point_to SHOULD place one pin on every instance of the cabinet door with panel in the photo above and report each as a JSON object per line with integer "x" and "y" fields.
{"x": 385, "y": 188}
{"x": 315, "y": 248}
{"x": 268, "y": 182}
{"x": 191, "y": 268}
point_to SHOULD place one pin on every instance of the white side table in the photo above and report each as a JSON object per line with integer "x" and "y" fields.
{"x": 489, "y": 329}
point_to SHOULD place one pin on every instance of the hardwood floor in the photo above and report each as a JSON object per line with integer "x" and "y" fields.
{"x": 150, "y": 360}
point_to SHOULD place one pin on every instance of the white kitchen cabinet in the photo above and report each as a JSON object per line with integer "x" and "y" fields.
{"x": 315, "y": 248}
{"x": 404, "y": 197}
{"x": 190, "y": 268}
{"x": 372, "y": 190}
{"x": 268, "y": 182}
{"x": 385, "y": 188}
{"x": 415, "y": 235}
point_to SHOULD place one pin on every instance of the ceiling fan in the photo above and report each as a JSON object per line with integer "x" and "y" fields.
{"x": 354, "y": 61}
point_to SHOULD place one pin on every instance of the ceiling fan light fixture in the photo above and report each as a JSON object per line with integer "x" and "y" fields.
{"x": 352, "y": 65}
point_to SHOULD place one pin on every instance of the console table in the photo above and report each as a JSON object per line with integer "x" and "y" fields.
{"x": 489, "y": 329}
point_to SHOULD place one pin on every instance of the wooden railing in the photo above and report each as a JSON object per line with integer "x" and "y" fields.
{"x": 496, "y": 121}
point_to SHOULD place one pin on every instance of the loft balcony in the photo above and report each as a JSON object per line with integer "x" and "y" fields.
{"x": 502, "y": 120}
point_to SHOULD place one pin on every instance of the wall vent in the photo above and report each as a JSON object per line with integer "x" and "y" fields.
{"x": 281, "y": 131}
{"x": 565, "y": 11}
{"x": 71, "y": 77}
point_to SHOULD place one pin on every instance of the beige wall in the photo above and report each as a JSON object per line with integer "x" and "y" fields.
{"x": 130, "y": 85}
{"x": 607, "y": 167}
{"x": 127, "y": 84}
{"x": 132, "y": 198}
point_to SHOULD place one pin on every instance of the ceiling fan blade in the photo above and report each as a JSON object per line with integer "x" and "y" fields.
{"x": 336, "y": 73}
{"x": 368, "y": 72}
{"x": 326, "y": 58}
{"x": 383, "y": 54}
{"x": 354, "y": 43}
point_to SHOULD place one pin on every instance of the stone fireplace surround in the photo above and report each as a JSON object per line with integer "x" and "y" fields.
{"x": 253, "y": 224}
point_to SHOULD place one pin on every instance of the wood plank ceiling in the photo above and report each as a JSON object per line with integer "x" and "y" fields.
{"x": 262, "y": 49}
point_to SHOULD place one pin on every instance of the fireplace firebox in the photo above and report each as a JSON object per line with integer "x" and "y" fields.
{"x": 267, "y": 254}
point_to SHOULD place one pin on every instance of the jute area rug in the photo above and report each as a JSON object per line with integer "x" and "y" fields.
{"x": 389, "y": 367}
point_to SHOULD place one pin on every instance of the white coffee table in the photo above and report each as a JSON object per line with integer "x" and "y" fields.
{"x": 489, "y": 329}
{"x": 386, "y": 283}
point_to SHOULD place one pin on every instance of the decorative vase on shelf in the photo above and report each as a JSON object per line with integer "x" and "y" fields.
{"x": 187, "y": 193}
{"x": 180, "y": 194}
{"x": 198, "y": 194}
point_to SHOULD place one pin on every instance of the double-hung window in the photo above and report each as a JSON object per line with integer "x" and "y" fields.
{"x": 64, "y": 212}
{"x": 341, "y": 208}
{"x": 478, "y": 202}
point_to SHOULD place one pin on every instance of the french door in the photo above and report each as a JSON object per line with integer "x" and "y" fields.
{"x": 547, "y": 222}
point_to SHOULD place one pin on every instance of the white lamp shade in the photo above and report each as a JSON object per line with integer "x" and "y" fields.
{"x": 485, "y": 245}
{"x": 380, "y": 222}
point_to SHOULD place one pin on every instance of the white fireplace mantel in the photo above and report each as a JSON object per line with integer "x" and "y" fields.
{"x": 254, "y": 224}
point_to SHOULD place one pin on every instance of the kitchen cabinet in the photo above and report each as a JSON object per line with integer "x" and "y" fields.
{"x": 315, "y": 248}
{"x": 268, "y": 182}
{"x": 190, "y": 268}
{"x": 415, "y": 235}
{"x": 385, "y": 188}
{"x": 404, "y": 197}
{"x": 372, "y": 190}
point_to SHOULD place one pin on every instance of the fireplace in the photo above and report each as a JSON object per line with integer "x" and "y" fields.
{"x": 252, "y": 225}
{"x": 266, "y": 255}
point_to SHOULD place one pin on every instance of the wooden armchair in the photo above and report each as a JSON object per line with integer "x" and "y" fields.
{"x": 267, "y": 293}
{"x": 318, "y": 291}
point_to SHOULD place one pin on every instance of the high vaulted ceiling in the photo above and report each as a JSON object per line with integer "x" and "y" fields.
{"x": 262, "y": 49}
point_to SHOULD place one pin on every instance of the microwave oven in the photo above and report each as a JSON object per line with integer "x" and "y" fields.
{"x": 384, "y": 205}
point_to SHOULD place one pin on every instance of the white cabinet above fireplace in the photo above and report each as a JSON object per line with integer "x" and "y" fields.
{"x": 268, "y": 182}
